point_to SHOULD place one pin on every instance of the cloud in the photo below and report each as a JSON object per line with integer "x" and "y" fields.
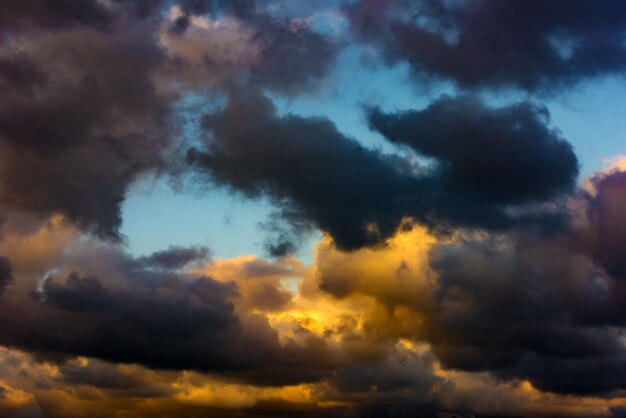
{"x": 93, "y": 124}
{"x": 54, "y": 14}
{"x": 463, "y": 274}
{"x": 210, "y": 50}
{"x": 259, "y": 282}
{"x": 176, "y": 258}
{"x": 91, "y": 93}
{"x": 295, "y": 57}
{"x": 374, "y": 331}
{"x": 248, "y": 48}
{"x": 116, "y": 330}
{"x": 307, "y": 165}
{"x": 489, "y": 162}
{"x": 135, "y": 311}
{"x": 607, "y": 215}
{"x": 503, "y": 155}
{"x": 6, "y": 274}
{"x": 520, "y": 305}
{"x": 544, "y": 309}
{"x": 526, "y": 310}
{"x": 528, "y": 45}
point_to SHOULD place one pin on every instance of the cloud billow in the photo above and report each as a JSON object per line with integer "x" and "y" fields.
{"x": 487, "y": 161}
{"x": 88, "y": 104}
{"x": 534, "y": 45}
{"x": 144, "y": 314}
{"x": 504, "y": 155}
{"x": 527, "y": 309}
{"x": 329, "y": 178}
{"x": 6, "y": 274}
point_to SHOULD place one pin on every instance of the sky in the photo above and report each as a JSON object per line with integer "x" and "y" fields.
{"x": 320, "y": 208}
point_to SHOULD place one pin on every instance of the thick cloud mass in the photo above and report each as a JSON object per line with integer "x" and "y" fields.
{"x": 533, "y": 45}
{"x": 550, "y": 310}
{"x": 329, "y": 178}
{"x": 175, "y": 258}
{"x": 547, "y": 309}
{"x": 504, "y": 155}
{"x": 292, "y": 59}
{"x": 125, "y": 324}
{"x": 79, "y": 124}
{"x": 143, "y": 325}
{"x": 486, "y": 161}
{"x": 607, "y": 214}
{"x": 529, "y": 310}
{"x": 239, "y": 44}
{"x": 154, "y": 317}
{"x": 88, "y": 104}
{"x": 52, "y": 13}
{"x": 6, "y": 274}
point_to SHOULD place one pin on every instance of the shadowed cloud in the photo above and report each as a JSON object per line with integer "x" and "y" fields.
{"x": 489, "y": 161}
{"x": 533, "y": 45}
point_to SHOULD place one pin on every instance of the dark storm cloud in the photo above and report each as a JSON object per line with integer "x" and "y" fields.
{"x": 329, "y": 178}
{"x": 618, "y": 411}
{"x": 486, "y": 162}
{"x": 409, "y": 409}
{"x": 607, "y": 213}
{"x": 106, "y": 376}
{"x": 53, "y": 13}
{"x": 141, "y": 8}
{"x": 64, "y": 14}
{"x": 284, "y": 231}
{"x": 147, "y": 325}
{"x": 19, "y": 75}
{"x": 533, "y": 45}
{"x": 83, "y": 116}
{"x": 406, "y": 410}
{"x": 145, "y": 315}
{"x": 176, "y": 257}
{"x": 503, "y": 155}
{"x": 528, "y": 308}
{"x": 238, "y": 8}
{"x": 6, "y": 274}
{"x": 79, "y": 121}
{"x": 521, "y": 305}
{"x": 86, "y": 108}
{"x": 397, "y": 373}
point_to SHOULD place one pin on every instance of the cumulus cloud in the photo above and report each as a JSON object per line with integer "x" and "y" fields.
{"x": 520, "y": 305}
{"x": 6, "y": 274}
{"x": 488, "y": 162}
{"x": 607, "y": 215}
{"x": 53, "y": 14}
{"x": 485, "y": 158}
{"x": 176, "y": 258}
{"x": 400, "y": 329}
{"x": 328, "y": 178}
{"x": 91, "y": 125}
{"x": 507, "y": 154}
{"x": 529, "y": 45}
{"x": 251, "y": 49}
{"x": 527, "y": 310}
{"x": 91, "y": 89}
{"x": 148, "y": 315}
